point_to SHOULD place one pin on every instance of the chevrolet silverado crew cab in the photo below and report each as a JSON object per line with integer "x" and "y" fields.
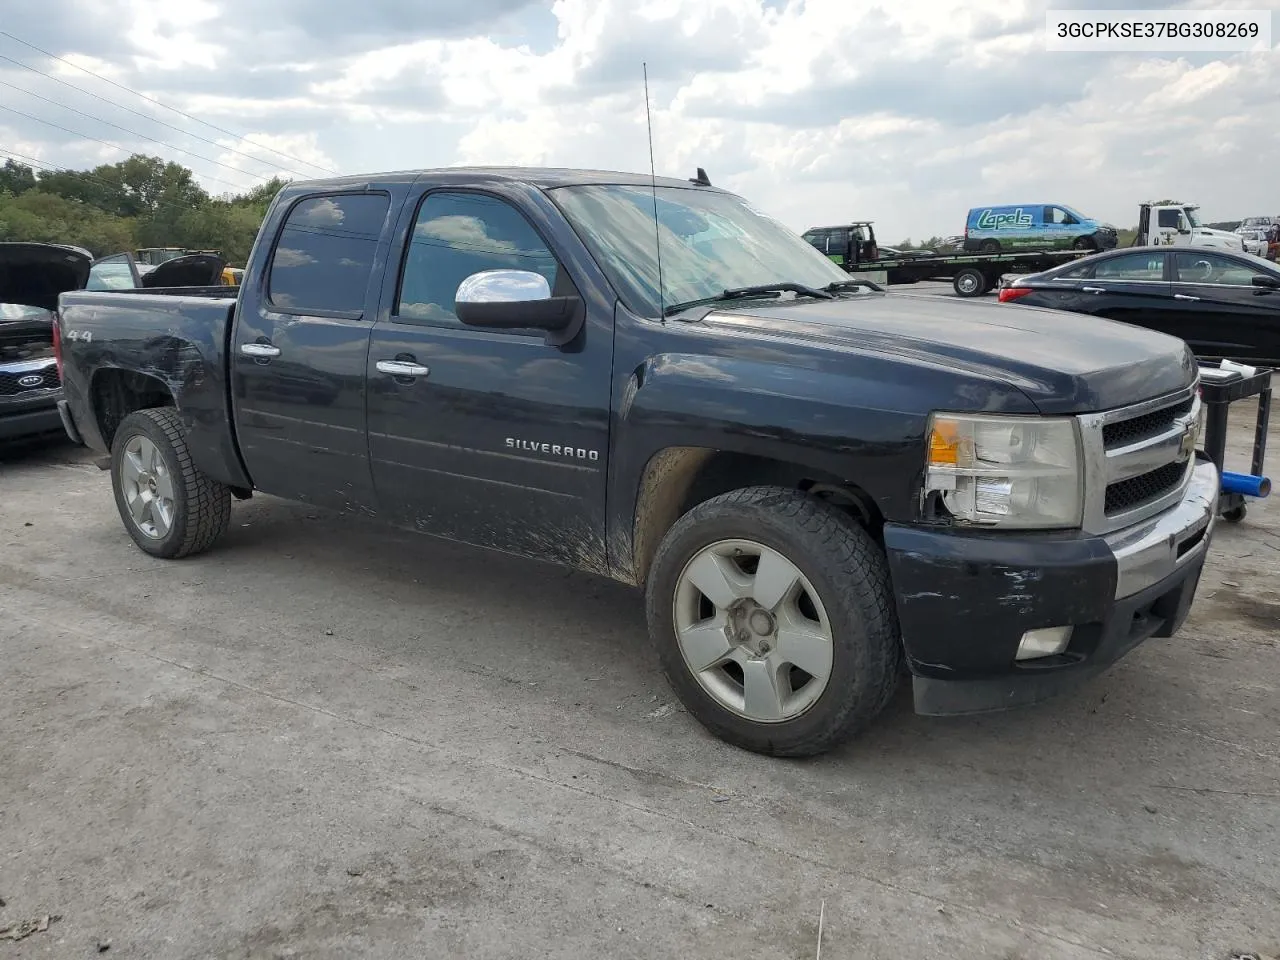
{"x": 820, "y": 487}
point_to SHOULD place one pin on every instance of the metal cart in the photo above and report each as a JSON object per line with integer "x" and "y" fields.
{"x": 1219, "y": 388}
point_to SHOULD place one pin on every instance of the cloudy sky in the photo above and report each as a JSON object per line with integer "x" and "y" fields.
{"x": 819, "y": 111}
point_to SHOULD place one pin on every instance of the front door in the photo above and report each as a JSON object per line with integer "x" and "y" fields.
{"x": 491, "y": 437}
{"x": 116, "y": 272}
{"x": 1171, "y": 228}
{"x": 300, "y": 349}
{"x": 1221, "y": 312}
{"x": 1132, "y": 288}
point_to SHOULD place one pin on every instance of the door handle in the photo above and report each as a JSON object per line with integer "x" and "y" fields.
{"x": 402, "y": 368}
{"x": 259, "y": 350}
{"x": 1094, "y": 289}
{"x": 1183, "y": 296}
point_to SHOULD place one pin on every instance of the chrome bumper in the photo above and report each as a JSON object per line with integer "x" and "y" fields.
{"x": 1157, "y": 547}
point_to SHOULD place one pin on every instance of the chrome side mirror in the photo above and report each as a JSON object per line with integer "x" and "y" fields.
{"x": 503, "y": 286}
{"x": 517, "y": 300}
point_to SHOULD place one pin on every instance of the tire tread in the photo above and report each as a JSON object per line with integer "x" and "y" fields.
{"x": 208, "y": 502}
{"x": 834, "y": 541}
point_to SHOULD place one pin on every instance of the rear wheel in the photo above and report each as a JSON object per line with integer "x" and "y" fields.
{"x": 774, "y": 621}
{"x": 989, "y": 246}
{"x": 168, "y": 506}
{"x": 1084, "y": 243}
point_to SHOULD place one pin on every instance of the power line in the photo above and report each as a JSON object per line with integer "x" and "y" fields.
{"x": 105, "y": 143}
{"x": 134, "y": 133}
{"x": 139, "y": 113}
{"x": 121, "y": 86}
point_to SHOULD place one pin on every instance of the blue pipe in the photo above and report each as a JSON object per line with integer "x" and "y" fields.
{"x": 1246, "y": 483}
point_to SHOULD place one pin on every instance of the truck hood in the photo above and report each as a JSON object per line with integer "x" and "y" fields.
{"x": 33, "y": 274}
{"x": 1063, "y": 362}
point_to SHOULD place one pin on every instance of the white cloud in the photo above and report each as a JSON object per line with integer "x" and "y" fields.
{"x": 817, "y": 110}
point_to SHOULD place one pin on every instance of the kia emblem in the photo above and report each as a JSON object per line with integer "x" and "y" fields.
{"x": 30, "y": 380}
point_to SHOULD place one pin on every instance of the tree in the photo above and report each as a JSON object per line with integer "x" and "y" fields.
{"x": 16, "y": 178}
{"x": 139, "y": 202}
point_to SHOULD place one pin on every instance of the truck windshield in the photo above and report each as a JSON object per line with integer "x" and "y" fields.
{"x": 710, "y": 242}
{"x": 1194, "y": 217}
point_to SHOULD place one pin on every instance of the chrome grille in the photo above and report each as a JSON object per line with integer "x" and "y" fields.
{"x": 1142, "y": 427}
{"x": 1136, "y": 462}
{"x": 1143, "y": 488}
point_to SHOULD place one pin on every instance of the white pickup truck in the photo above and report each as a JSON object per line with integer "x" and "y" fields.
{"x": 1170, "y": 223}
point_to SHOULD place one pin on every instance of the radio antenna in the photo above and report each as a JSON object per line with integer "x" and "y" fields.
{"x": 653, "y": 187}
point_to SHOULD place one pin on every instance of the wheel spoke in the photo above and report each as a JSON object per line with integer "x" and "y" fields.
{"x": 137, "y": 506}
{"x": 161, "y": 515}
{"x": 718, "y": 578}
{"x": 762, "y": 689}
{"x": 705, "y": 644}
{"x": 164, "y": 484}
{"x": 775, "y": 577}
{"x": 131, "y": 466}
{"x": 803, "y": 643}
{"x": 152, "y": 455}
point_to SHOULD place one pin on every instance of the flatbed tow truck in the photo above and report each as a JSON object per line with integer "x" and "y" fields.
{"x": 853, "y": 246}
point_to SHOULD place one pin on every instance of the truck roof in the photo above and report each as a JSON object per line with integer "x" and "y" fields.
{"x": 542, "y": 177}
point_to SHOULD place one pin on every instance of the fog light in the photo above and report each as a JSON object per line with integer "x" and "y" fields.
{"x": 1043, "y": 642}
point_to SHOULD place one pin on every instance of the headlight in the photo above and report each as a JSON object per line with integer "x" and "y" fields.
{"x": 1006, "y": 471}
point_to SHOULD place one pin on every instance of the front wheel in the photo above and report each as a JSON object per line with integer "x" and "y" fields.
{"x": 168, "y": 506}
{"x": 774, "y": 621}
{"x": 970, "y": 282}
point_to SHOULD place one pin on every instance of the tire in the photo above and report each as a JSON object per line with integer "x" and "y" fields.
{"x": 150, "y": 459}
{"x": 1236, "y": 514}
{"x": 1084, "y": 243}
{"x": 989, "y": 246}
{"x": 835, "y": 560}
{"x": 970, "y": 282}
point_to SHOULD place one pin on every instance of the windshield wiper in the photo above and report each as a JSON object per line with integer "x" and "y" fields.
{"x": 851, "y": 284}
{"x": 760, "y": 290}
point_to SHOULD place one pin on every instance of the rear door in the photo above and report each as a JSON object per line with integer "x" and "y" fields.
{"x": 1220, "y": 313}
{"x": 491, "y": 437}
{"x": 300, "y": 347}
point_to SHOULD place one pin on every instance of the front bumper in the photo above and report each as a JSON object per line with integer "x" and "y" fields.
{"x": 966, "y": 598}
{"x": 29, "y": 421}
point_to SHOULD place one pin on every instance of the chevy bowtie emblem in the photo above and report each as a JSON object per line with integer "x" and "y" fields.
{"x": 1187, "y": 445}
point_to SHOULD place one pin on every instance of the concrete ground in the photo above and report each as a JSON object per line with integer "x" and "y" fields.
{"x": 328, "y": 739}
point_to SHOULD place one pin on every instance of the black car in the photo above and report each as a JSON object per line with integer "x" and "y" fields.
{"x": 1224, "y": 305}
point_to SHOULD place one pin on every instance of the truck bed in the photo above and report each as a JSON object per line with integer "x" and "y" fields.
{"x": 178, "y": 335}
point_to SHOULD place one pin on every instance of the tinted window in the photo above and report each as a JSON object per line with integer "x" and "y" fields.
{"x": 456, "y": 235}
{"x": 1168, "y": 218}
{"x": 1132, "y": 266}
{"x": 1211, "y": 268}
{"x": 325, "y": 253}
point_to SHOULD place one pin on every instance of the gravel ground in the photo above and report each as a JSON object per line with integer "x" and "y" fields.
{"x": 329, "y": 739}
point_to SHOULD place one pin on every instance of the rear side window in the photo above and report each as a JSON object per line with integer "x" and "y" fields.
{"x": 325, "y": 253}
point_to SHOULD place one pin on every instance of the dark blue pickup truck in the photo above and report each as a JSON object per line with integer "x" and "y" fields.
{"x": 820, "y": 487}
